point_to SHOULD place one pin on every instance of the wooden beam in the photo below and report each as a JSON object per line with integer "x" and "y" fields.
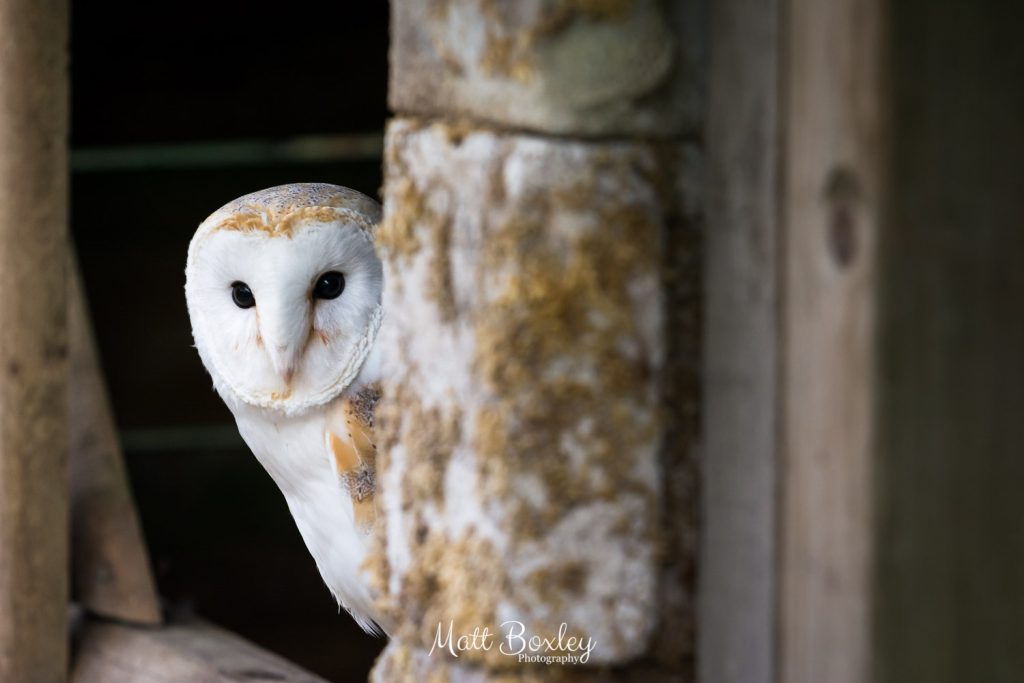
{"x": 233, "y": 154}
{"x": 188, "y": 650}
{"x": 831, "y": 200}
{"x": 33, "y": 341}
{"x": 739, "y": 547}
{"x": 902, "y": 557}
{"x": 110, "y": 567}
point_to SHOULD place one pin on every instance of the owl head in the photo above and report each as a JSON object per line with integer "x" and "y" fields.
{"x": 284, "y": 289}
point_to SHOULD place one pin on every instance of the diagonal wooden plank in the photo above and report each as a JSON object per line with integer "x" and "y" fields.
{"x": 110, "y": 568}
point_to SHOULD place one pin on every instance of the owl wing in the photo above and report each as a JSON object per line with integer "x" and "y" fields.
{"x": 350, "y": 441}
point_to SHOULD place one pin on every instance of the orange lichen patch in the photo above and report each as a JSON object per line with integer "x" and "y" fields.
{"x": 508, "y": 56}
{"x": 428, "y": 435}
{"x": 576, "y": 196}
{"x": 507, "y": 46}
{"x": 496, "y": 183}
{"x": 438, "y": 12}
{"x": 412, "y": 224}
{"x": 510, "y": 47}
{"x": 567, "y": 358}
{"x": 378, "y": 570}
{"x": 396, "y": 235}
{"x": 376, "y": 564}
{"x": 456, "y": 130}
{"x": 387, "y": 417}
{"x": 556, "y": 583}
{"x": 439, "y": 278}
{"x": 406, "y": 206}
{"x": 565, "y": 305}
{"x": 456, "y": 580}
{"x": 438, "y": 9}
{"x": 570, "y": 366}
{"x": 451, "y": 62}
{"x": 400, "y": 662}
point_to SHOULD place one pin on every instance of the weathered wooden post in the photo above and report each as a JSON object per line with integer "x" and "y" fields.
{"x": 33, "y": 341}
{"x": 796, "y": 151}
{"x": 864, "y": 375}
{"x": 832, "y": 199}
{"x": 541, "y": 339}
{"x": 738, "y": 564}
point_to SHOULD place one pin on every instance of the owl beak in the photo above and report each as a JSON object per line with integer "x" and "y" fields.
{"x": 284, "y": 323}
{"x": 284, "y": 360}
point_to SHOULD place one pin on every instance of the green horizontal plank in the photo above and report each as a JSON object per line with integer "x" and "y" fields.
{"x": 357, "y": 147}
{"x": 181, "y": 438}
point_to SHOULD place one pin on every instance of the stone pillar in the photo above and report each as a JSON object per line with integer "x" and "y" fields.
{"x": 33, "y": 344}
{"x": 540, "y": 240}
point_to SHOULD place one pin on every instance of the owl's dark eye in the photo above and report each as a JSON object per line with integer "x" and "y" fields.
{"x": 329, "y": 285}
{"x": 242, "y": 295}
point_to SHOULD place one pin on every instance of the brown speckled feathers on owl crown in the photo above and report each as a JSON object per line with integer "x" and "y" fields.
{"x": 276, "y": 210}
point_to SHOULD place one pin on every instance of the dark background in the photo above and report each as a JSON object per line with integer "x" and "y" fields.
{"x": 148, "y": 79}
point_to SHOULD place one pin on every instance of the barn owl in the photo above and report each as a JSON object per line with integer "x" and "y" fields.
{"x": 284, "y": 294}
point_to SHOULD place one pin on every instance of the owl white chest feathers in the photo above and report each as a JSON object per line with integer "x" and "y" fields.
{"x": 323, "y": 461}
{"x": 284, "y": 289}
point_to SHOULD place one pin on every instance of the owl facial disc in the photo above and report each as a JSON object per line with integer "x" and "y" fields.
{"x": 283, "y": 289}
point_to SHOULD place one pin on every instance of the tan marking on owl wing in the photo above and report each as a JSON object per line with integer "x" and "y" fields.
{"x": 350, "y": 439}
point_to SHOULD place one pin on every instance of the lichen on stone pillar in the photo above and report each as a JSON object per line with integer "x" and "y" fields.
{"x": 521, "y": 425}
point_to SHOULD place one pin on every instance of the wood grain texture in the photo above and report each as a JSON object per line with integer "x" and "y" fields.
{"x": 831, "y": 196}
{"x": 110, "y": 567}
{"x": 190, "y": 650}
{"x": 33, "y": 341}
{"x": 739, "y": 553}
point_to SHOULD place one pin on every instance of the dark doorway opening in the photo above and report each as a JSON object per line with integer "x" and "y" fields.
{"x": 176, "y": 109}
